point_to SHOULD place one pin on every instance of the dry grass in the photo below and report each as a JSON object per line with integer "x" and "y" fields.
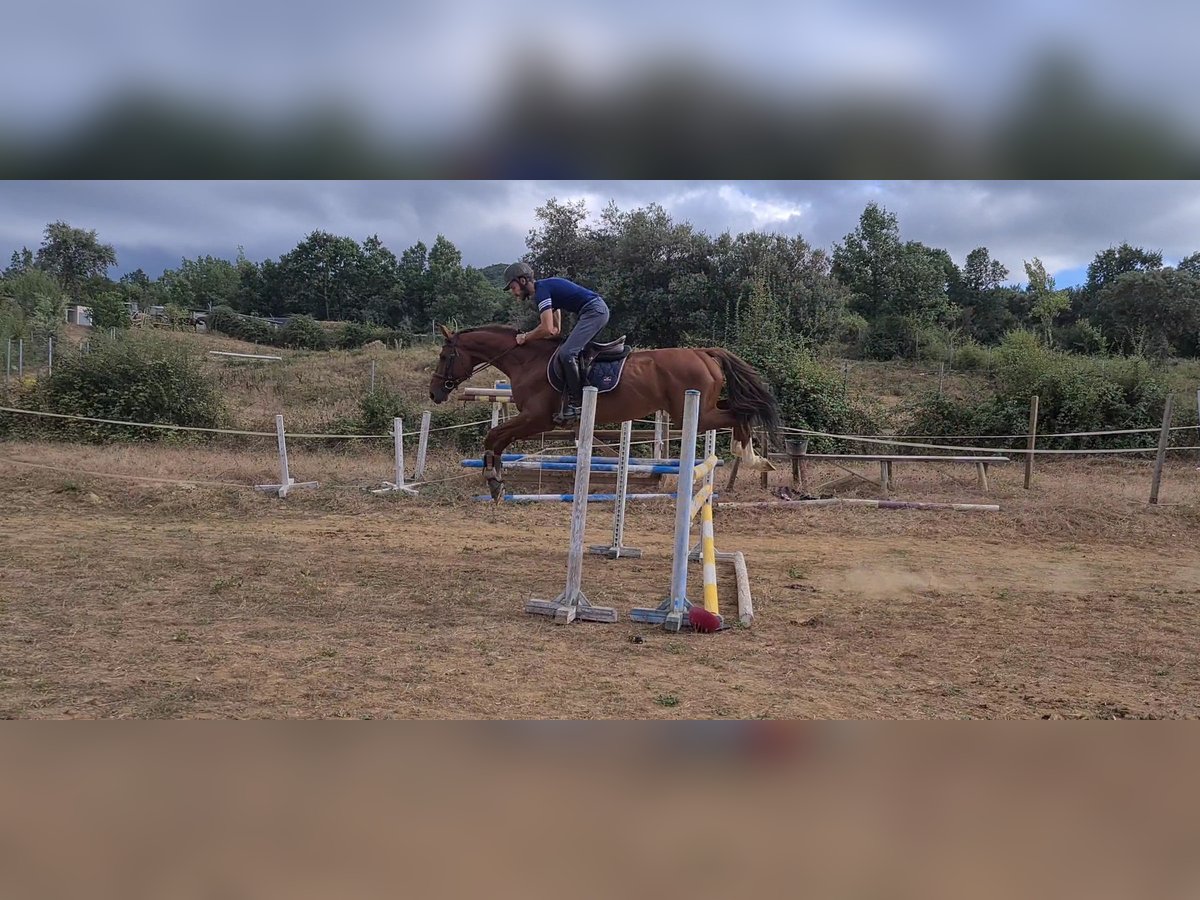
{"x": 122, "y": 598}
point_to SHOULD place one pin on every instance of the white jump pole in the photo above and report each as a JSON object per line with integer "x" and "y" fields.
{"x": 572, "y": 604}
{"x": 398, "y": 484}
{"x": 422, "y": 446}
{"x": 616, "y": 550}
{"x": 286, "y": 482}
{"x": 672, "y": 612}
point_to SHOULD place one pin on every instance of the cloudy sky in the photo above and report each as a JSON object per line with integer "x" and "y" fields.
{"x": 152, "y": 225}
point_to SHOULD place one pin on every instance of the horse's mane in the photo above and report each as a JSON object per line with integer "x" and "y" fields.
{"x": 496, "y": 328}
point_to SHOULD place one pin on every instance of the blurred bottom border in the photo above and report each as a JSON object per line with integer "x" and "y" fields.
{"x": 841, "y": 809}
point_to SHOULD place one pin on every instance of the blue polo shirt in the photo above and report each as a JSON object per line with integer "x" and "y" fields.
{"x": 559, "y": 293}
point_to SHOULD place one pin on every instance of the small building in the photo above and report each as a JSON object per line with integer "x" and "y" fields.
{"x": 79, "y": 315}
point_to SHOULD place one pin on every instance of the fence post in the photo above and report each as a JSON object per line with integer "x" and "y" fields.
{"x": 8, "y": 365}
{"x": 1163, "y": 436}
{"x": 20, "y": 357}
{"x": 50, "y": 356}
{"x": 372, "y": 376}
{"x": 422, "y": 446}
{"x": 1033, "y": 413}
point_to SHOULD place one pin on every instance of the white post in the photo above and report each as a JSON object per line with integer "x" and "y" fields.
{"x": 285, "y": 478}
{"x": 422, "y": 446}
{"x": 8, "y": 365}
{"x": 286, "y": 482}
{"x": 20, "y": 357}
{"x": 495, "y": 413}
{"x": 372, "y": 376}
{"x": 50, "y": 356}
{"x": 683, "y": 501}
{"x": 659, "y": 451}
{"x": 572, "y": 603}
{"x": 616, "y": 551}
{"x": 583, "y": 473}
{"x": 398, "y": 441}
{"x": 398, "y": 435}
{"x": 673, "y": 611}
{"x": 1164, "y": 437}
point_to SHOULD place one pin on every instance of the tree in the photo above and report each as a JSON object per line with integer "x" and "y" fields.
{"x": 981, "y": 273}
{"x": 561, "y": 245}
{"x": 73, "y": 255}
{"x": 459, "y": 295}
{"x": 201, "y": 283}
{"x": 1190, "y": 265}
{"x": 984, "y": 302}
{"x": 1114, "y": 262}
{"x": 1155, "y": 313}
{"x": 888, "y": 278}
{"x": 1046, "y": 303}
{"x": 810, "y": 302}
{"x": 110, "y": 310}
{"x": 415, "y": 287}
{"x": 379, "y": 286}
{"x": 20, "y": 262}
{"x": 321, "y": 275}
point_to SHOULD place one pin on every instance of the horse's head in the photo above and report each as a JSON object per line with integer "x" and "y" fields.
{"x": 455, "y": 365}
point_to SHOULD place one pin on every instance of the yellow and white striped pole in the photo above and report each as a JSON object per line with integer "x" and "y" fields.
{"x": 708, "y": 553}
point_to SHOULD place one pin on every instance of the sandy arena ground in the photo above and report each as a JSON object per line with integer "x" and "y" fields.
{"x": 123, "y": 598}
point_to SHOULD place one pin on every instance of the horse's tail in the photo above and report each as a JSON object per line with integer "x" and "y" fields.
{"x": 750, "y": 400}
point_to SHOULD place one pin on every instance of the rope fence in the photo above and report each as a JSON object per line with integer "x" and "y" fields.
{"x": 905, "y": 441}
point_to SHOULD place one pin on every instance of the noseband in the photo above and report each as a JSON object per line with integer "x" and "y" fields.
{"x": 450, "y": 383}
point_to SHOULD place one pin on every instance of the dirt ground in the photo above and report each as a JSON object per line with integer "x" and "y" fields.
{"x": 134, "y": 598}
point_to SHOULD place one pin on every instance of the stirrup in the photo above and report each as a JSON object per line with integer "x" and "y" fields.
{"x": 566, "y": 414}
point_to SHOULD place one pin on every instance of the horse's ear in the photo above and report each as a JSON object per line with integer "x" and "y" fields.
{"x": 446, "y": 332}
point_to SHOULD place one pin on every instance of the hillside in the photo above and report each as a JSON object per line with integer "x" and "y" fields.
{"x": 315, "y": 390}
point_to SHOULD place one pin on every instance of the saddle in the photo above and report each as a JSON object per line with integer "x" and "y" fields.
{"x": 602, "y": 351}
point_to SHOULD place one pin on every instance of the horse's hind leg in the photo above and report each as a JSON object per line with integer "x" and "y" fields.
{"x": 743, "y": 438}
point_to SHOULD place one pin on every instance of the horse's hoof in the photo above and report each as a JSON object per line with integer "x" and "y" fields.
{"x": 496, "y": 488}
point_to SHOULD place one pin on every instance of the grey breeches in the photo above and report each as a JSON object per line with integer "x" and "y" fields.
{"x": 592, "y": 318}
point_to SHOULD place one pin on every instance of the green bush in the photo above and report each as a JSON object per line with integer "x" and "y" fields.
{"x": 353, "y": 335}
{"x": 144, "y": 380}
{"x": 377, "y": 408}
{"x": 224, "y": 320}
{"x": 256, "y": 331}
{"x": 812, "y": 396}
{"x": 972, "y": 357}
{"x": 109, "y": 310}
{"x": 1075, "y": 393}
{"x": 304, "y": 333}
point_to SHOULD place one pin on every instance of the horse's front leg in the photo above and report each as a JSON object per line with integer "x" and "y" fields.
{"x": 499, "y": 438}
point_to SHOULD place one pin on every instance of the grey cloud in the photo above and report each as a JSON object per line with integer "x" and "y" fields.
{"x": 1064, "y": 223}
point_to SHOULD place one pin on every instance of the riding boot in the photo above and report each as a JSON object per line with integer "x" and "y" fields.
{"x": 573, "y": 395}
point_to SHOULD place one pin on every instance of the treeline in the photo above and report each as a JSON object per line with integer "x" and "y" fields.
{"x": 874, "y": 295}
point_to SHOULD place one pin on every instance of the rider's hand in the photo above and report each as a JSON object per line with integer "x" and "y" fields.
{"x": 521, "y": 338}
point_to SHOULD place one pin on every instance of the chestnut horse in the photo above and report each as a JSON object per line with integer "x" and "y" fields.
{"x": 652, "y": 380}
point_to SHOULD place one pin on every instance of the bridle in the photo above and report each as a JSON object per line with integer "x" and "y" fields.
{"x": 451, "y": 383}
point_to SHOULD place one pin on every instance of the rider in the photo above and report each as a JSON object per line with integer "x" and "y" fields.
{"x": 551, "y": 296}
